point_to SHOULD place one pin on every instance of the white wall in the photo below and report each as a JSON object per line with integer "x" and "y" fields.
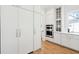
{"x": 51, "y": 17}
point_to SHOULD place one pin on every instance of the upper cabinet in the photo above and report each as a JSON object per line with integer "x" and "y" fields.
{"x": 50, "y": 17}
{"x": 58, "y": 19}
{"x": 58, "y": 13}
{"x": 58, "y": 25}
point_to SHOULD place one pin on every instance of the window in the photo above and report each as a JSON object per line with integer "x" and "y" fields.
{"x": 74, "y": 22}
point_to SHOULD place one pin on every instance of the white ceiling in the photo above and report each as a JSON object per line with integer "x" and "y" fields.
{"x": 48, "y": 7}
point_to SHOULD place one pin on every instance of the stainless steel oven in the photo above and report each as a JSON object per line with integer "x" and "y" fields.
{"x": 49, "y": 31}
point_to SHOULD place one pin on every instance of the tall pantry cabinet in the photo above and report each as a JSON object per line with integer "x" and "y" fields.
{"x": 17, "y": 30}
{"x": 8, "y": 29}
{"x": 37, "y": 28}
{"x": 26, "y": 31}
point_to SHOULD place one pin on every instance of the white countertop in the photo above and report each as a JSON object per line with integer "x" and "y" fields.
{"x": 68, "y": 33}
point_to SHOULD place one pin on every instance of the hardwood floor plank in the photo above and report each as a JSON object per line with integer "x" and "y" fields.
{"x": 51, "y": 48}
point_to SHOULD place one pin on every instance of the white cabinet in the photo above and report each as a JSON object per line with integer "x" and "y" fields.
{"x": 74, "y": 42}
{"x": 50, "y": 17}
{"x": 26, "y": 27}
{"x": 70, "y": 41}
{"x": 57, "y": 38}
{"x": 8, "y": 29}
{"x": 17, "y": 25}
{"x": 49, "y": 39}
{"x": 16, "y": 30}
{"x": 65, "y": 39}
{"x": 37, "y": 31}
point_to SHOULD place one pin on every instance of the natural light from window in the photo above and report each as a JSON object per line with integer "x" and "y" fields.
{"x": 74, "y": 22}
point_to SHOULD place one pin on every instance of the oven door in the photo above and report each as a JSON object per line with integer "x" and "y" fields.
{"x": 49, "y": 33}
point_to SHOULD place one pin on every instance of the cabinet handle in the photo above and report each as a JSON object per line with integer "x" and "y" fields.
{"x": 18, "y": 33}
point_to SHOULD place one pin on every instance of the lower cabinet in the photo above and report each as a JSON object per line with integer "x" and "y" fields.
{"x": 67, "y": 40}
{"x": 74, "y": 42}
{"x": 49, "y": 39}
{"x": 57, "y": 38}
{"x": 70, "y": 41}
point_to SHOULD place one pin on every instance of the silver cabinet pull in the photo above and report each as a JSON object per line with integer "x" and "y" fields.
{"x": 18, "y": 33}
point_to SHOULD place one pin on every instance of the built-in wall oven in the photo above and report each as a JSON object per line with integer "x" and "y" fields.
{"x": 49, "y": 31}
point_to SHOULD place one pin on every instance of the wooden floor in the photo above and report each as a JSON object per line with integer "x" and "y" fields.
{"x": 51, "y": 48}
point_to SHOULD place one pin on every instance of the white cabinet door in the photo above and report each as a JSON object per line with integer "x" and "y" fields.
{"x": 26, "y": 29}
{"x": 71, "y": 41}
{"x": 57, "y": 38}
{"x": 49, "y": 39}
{"x": 8, "y": 29}
{"x": 64, "y": 39}
{"x": 74, "y": 43}
{"x": 37, "y": 31}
